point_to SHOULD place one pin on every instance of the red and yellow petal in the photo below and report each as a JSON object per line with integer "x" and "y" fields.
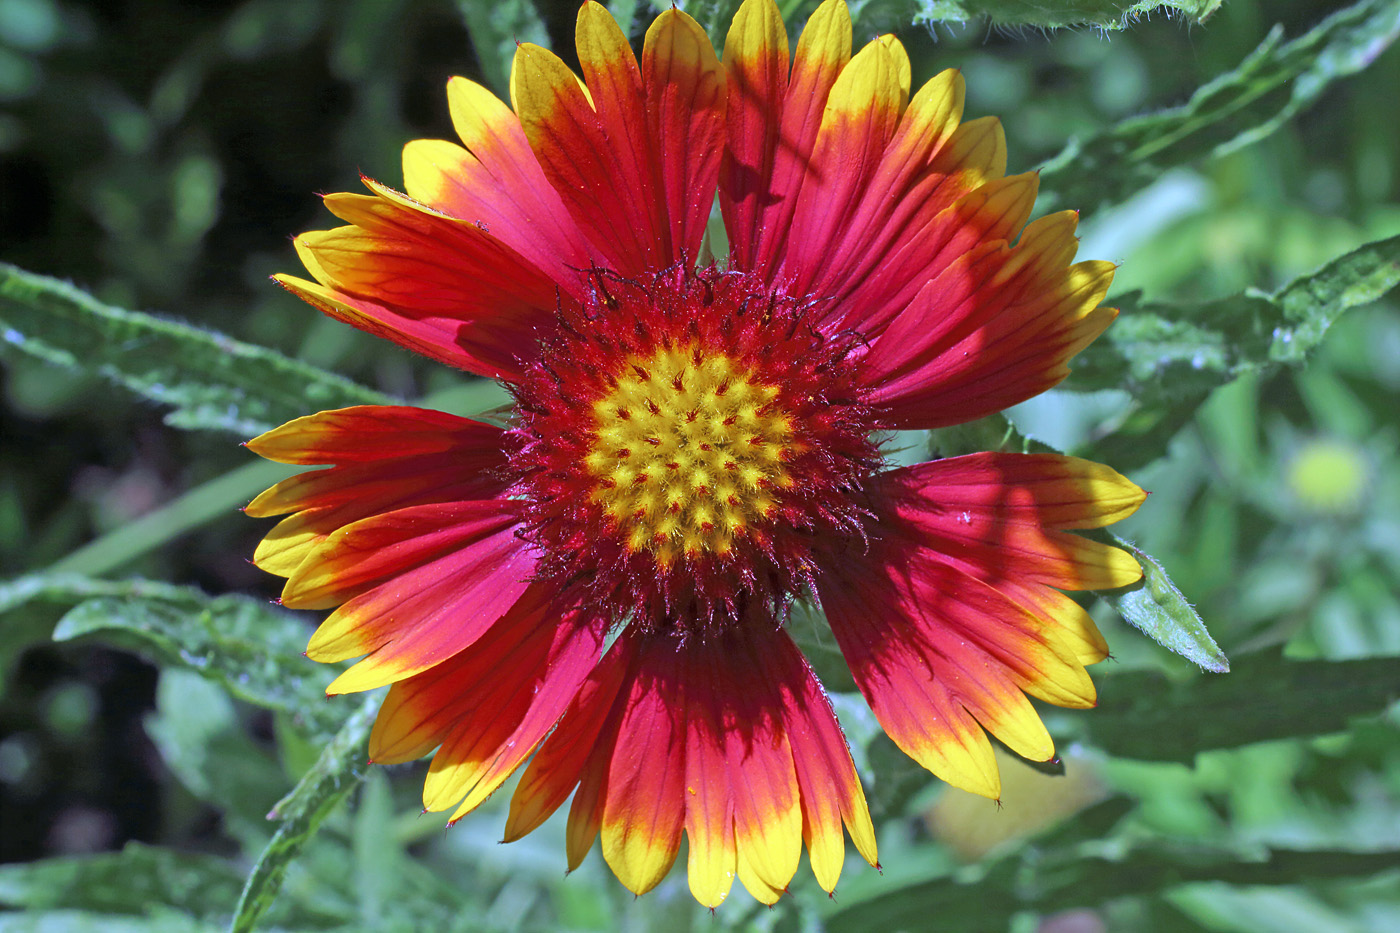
{"x": 783, "y": 138}
{"x": 767, "y": 810}
{"x": 361, "y": 555}
{"x": 830, "y": 789}
{"x": 709, "y": 808}
{"x": 728, "y": 739}
{"x": 756, "y": 63}
{"x": 427, "y": 614}
{"x": 372, "y": 432}
{"x": 994, "y": 328}
{"x": 562, "y": 758}
{"x": 435, "y": 284}
{"x": 382, "y": 458}
{"x": 861, "y": 117}
{"x": 656, "y": 125}
{"x": 1005, "y": 516}
{"x": 934, "y": 648}
{"x": 685, "y": 96}
{"x": 644, "y": 798}
{"x": 953, "y": 234}
{"x": 887, "y": 657}
{"x": 494, "y": 181}
{"x": 488, "y": 745}
{"x": 901, "y": 190}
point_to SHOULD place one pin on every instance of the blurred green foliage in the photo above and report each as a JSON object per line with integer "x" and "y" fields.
{"x": 1241, "y": 160}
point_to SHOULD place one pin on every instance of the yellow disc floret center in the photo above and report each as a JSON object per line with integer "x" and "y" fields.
{"x": 689, "y": 452}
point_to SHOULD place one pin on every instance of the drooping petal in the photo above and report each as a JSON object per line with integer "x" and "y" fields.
{"x": 767, "y": 810}
{"x": 507, "y": 710}
{"x": 435, "y": 284}
{"x": 421, "y": 710}
{"x": 556, "y": 768}
{"x": 709, "y": 805}
{"x": 826, "y": 777}
{"x": 382, "y": 458}
{"x": 644, "y": 803}
{"x": 933, "y": 647}
{"x": 887, "y": 656}
{"x": 426, "y": 615}
{"x": 1004, "y": 518}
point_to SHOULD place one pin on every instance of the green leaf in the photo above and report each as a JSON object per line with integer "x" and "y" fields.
{"x": 1053, "y": 14}
{"x": 1144, "y": 715}
{"x": 246, "y": 646}
{"x": 197, "y": 730}
{"x": 1170, "y": 358}
{"x": 338, "y": 771}
{"x": 1049, "y": 881}
{"x": 1235, "y": 110}
{"x": 211, "y": 381}
{"x": 496, "y": 28}
{"x": 127, "y": 882}
{"x": 1156, "y": 607}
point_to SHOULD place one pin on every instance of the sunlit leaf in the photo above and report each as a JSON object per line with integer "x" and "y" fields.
{"x": 1238, "y": 108}
{"x": 1052, "y": 14}
{"x": 338, "y": 771}
{"x": 211, "y": 381}
{"x": 247, "y": 646}
{"x": 1170, "y": 357}
{"x": 1142, "y": 714}
{"x": 1156, "y": 607}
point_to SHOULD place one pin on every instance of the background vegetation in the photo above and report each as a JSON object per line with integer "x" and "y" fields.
{"x": 166, "y": 759}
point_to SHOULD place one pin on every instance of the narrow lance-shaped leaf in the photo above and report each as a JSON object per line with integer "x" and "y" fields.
{"x": 1144, "y": 715}
{"x": 1238, "y": 108}
{"x": 1047, "y": 881}
{"x": 1053, "y": 14}
{"x": 496, "y": 29}
{"x": 246, "y": 646}
{"x": 1169, "y": 358}
{"x": 210, "y": 380}
{"x": 338, "y": 771}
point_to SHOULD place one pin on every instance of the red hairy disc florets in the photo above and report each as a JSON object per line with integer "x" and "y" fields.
{"x": 686, "y": 441}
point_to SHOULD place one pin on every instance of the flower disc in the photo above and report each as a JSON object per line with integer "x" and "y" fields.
{"x": 685, "y": 441}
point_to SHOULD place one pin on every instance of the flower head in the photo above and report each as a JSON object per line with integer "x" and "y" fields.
{"x": 695, "y": 446}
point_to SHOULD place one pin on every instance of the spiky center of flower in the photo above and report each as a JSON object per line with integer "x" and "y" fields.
{"x": 688, "y": 451}
{"x": 688, "y": 443}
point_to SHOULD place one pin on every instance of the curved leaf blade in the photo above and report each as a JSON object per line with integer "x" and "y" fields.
{"x": 1237, "y": 109}
{"x": 212, "y": 382}
{"x": 1054, "y": 14}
